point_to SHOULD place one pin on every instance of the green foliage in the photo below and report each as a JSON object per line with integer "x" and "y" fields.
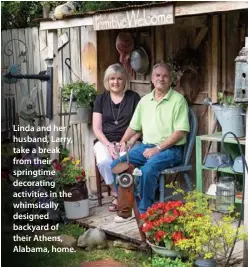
{"x": 158, "y": 261}
{"x": 224, "y": 99}
{"x": 206, "y": 237}
{"x": 68, "y": 171}
{"x": 20, "y": 14}
{"x": 74, "y": 230}
{"x": 83, "y": 93}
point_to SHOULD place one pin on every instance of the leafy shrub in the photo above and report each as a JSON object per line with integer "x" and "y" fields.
{"x": 158, "y": 261}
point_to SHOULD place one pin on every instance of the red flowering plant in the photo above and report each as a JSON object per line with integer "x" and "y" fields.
{"x": 68, "y": 171}
{"x": 162, "y": 226}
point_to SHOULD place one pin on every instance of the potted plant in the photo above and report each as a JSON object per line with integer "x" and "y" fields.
{"x": 83, "y": 97}
{"x": 188, "y": 228}
{"x": 207, "y": 240}
{"x": 72, "y": 180}
{"x": 230, "y": 115}
{"x": 163, "y": 228}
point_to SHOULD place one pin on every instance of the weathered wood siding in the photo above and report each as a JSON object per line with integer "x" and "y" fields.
{"x": 218, "y": 38}
{"x": 30, "y": 54}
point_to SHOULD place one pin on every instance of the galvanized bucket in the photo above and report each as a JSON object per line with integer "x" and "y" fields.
{"x": 231, "y": 119}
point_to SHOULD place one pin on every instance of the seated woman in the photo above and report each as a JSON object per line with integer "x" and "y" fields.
{"x": 112, "y": 114}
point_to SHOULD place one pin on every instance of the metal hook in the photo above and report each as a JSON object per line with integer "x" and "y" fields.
{"x": 68, "y": 64}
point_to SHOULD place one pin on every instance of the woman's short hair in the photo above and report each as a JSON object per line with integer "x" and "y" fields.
{"x": 113, "y": 69}
{"x": 165, "y": 66}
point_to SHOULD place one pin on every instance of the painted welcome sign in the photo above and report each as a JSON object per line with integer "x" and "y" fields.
{"x": 134, "y": 18}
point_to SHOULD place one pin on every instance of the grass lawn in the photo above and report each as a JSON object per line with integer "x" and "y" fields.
{"x": 55, "y": 259}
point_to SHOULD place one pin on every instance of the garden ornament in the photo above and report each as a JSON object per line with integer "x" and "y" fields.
{"x": 69, "y": 8}
{"x": 13, "y": 69}
{"x": 139, "y": 60}
{"x": 28, "y": 105}
{"x": 126, "y": 200}
{"x": 92, "y": 238}
{"x": 125, "y": 45}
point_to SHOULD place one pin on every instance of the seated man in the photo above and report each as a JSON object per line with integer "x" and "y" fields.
{"x": 162, "y": 116}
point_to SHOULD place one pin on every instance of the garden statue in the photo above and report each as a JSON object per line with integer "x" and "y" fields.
{"x": 92, "y": 238}
{"x": 69, "y": 8}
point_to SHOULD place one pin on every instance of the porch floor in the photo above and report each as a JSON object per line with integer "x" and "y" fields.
{"x": 101, "y": 217}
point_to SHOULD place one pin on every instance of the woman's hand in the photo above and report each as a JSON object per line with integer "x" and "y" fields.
{"x": 124, "y": 147}
{"x": 112, "y": 151}
{"x": 149, "y": 152}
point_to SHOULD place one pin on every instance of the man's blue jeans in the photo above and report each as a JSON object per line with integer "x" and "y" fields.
{"x": 151, "y": 169}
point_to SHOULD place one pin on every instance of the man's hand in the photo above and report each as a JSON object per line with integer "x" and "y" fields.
{"x": 149, "y": 152}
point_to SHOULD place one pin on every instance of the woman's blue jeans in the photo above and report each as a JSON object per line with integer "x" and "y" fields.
{"x": 151, "y": 169}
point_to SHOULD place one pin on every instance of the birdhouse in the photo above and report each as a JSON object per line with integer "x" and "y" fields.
{"x": 241, "y": 75}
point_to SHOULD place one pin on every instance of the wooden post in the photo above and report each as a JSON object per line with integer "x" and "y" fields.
{"x": 213, "y": 68}
{"x": 223, "y": 54}
{"x": 89, "y": 74}
{"x": 245, "y": 190}
{"x": 54, "y": 122}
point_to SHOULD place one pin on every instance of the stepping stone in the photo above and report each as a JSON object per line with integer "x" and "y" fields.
{"x": 103, "y": 263}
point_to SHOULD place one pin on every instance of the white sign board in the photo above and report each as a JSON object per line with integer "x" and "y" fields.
{"x": 134, "y": 18}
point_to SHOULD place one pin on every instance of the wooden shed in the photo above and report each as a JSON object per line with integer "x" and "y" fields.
{"x": 214, "y": 32}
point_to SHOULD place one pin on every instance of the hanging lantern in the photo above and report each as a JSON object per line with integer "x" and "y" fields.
{"x": 225, "y": 194}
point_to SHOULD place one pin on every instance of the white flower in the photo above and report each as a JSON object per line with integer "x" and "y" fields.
{"x": 137, "y": 172}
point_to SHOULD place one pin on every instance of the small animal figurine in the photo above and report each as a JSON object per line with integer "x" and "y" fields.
{"x": 92, "y": 238}
{"x": 66, "y": 9}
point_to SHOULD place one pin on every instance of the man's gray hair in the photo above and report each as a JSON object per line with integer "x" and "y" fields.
{"x": 113, "y": 69}
{"x": 164, "y": 65}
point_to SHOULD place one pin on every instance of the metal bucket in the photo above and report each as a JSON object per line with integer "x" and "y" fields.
{"x": 83, "y": 115}
{"x": 77, "y": 206}
{"x": 231, "y": 119}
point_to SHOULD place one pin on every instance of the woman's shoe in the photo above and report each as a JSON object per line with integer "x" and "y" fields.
{"x": 112, "y": 206}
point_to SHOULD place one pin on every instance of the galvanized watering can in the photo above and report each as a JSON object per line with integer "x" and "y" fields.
{"x": 230, "y": 118}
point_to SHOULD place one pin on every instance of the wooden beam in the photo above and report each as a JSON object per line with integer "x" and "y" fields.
{"x": 223, "y": 52}
{"x": 66, "y": 23}
{"x": 181, "y": 9}
{"x": 200, "y": 36}
{"x": 54, "y": 122}
{"x": 214, "y": 73}
{"x": 215, "y": 57}
{"x": 194, "y": 8}
{"x": 89, "y": 75}
{"x": 159, "y": 43}
{"x": 245, "y": 189}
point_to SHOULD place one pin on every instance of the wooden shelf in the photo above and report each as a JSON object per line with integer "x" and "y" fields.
{"x": 226, "y": 169}
{"x": 217, "y": 137}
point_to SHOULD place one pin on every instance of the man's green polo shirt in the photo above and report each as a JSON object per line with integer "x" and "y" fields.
{"x": 158, "y": 120}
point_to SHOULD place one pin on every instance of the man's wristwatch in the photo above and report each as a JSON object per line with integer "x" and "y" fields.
{"x": 158, "y": 147}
